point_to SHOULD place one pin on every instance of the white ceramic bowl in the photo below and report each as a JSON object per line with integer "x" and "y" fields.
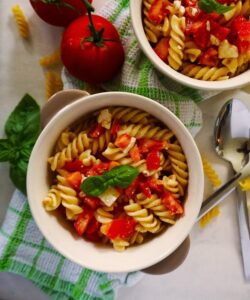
{"x": 56, "y": 230}
{"x": 136, "y": 16}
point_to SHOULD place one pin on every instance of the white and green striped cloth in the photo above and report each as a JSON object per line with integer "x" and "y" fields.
{"x": 23, "y": 249}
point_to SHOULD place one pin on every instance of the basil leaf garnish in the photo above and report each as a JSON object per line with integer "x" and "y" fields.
{"x": 94, "y": 186}
{"x": 22, "y": 129}
{"x": 121, "y": 176}
{"x": 210, "y": 6}
{"x": 23, "y": 123}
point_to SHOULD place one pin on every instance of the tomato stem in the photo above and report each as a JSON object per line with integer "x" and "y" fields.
{"x": 97, "y": 35}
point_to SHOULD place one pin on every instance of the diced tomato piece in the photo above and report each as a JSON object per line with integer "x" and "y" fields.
{"x": 209, "y": 57}
{"x": 146, "y": 145}
{"x": 116, "y": 126}
{"x": 171, "y": 203}
{"x": 213, "y": 16}
{"x": 194, "y": 12}
{"x": 93, "y": 226}
{"x": 131, "y": 190}
{"x": 219, "y": 31}
{"x": 82, "y": 221}
{"x": 123, "y": 140}
{"x": 157, "y": 11}
{"x": 135, "y": 154}
{"x": 240, "y": 34}
{"x": 145, "y": 189}
{"x": 153, "y": 160}
{"x": 122, "y": 228}
{"x": 75, "y": 165}
{"x": 96, "y": 131}
{"x": 200, "y": 34}
{"x": 92, "y": 202}
{"x": 190, "y": 2}
{"x": 155, "y": 185}
{"x": 99, "y": 169}
{"x": 161, "y": 48}
{"x": 74, "y": 179}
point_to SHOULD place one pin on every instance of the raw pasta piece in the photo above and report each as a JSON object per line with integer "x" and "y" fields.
{"x": 245, "y": 184}
{"x": 158, "y": 209}
{"x": 22, "y": 24}
{"x": 51, "y": 59}
{"x": 207, "y": 218}
{"x": 146, "y": 131}
{"x": 53, "y": 84}
{"x": 73, "y": 150}
{"x": 176, "y": 42}
{"x": 211, "y": 173}
{"x": 146, "y": 220}
{"x": 205, "y": 73}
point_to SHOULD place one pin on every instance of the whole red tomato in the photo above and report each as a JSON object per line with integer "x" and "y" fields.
{"x": 59, "y": 12}
{"x": 93, "y": 58}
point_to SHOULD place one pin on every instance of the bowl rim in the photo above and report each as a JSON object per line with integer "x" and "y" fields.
{"x": 73, "y": 107}
{"x": 231, "y": 83}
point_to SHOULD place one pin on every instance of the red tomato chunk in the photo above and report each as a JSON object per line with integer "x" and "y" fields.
{"x": 121, "y": 228}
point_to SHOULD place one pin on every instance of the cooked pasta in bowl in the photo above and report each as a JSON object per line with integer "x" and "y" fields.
{"x": 116, "y": 182}
{"x": 201, "y": 43}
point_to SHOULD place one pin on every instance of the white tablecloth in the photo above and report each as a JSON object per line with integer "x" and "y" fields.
{"x": 213, "y": 268}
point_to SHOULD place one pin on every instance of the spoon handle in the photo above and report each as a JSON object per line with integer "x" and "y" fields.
{"x": 219, "y": 195}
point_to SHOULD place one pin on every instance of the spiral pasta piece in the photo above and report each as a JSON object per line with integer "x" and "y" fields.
{"x": 171, "y": 184}
{"x": 158, "y": 209}
{"x": 211, "y": 173}
{"x": 69, "y": 198}
{"x": 21, "y": 21}
{"x": 128, "y": 114}
{"x": 53, "y": 84}
{"x": 65, "y": 138}
{"x": 73, "y": 150}
{"x": 179, "y": 166}
{"x": 145, "y": 219}
{"x": 53, "y": 200}
{"x": 205, "y": 73}
{"x": 51, "y": 59}
{"x": 191, "y": 51}
{"x": 208, "y": 217}
{"x": 148, "y": 131}
{"x": 104, "y": 215}
{"x": 99, "y": 144}
{"x": 245, "y": 184}
{"x": 176, "y": 42}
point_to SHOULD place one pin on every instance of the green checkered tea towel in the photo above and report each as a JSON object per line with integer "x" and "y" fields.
{"x": 24, "y": 251}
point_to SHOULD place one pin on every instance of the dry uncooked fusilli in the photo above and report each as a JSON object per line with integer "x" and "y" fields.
{"x": 21, "y": 21}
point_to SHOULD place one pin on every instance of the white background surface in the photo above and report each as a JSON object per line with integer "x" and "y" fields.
{"x": 213, "y": 268}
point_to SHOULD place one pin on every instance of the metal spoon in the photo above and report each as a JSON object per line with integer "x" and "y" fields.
{"x": 232, "y": 143}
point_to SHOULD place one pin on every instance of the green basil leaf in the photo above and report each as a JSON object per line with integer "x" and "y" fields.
{"x": 94, "y": 186}
{"x": 121, "y": 176}
{"x": 23, "y": 123}
{"x": 6, "y": 150}
{"x": 209, "y": 6}
{"x": 18, "y": 175}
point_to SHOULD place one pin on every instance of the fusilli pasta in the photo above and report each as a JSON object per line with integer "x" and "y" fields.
{"x": 22, "y": 24}
{"x": 121, "y": 215}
